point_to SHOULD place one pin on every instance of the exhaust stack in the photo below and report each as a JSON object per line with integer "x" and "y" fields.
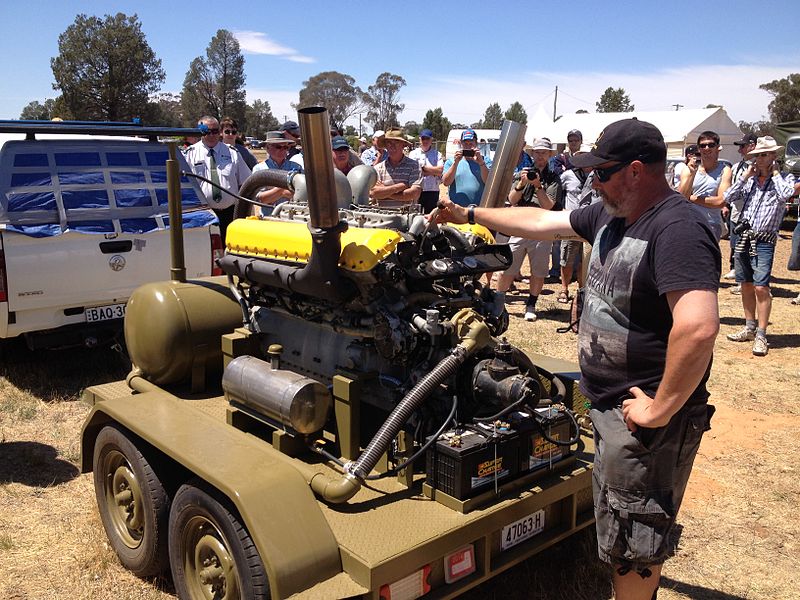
{"x": 512, "y": 139}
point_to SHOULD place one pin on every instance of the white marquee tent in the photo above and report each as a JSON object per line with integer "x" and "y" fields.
{"x": 679, "y": 128}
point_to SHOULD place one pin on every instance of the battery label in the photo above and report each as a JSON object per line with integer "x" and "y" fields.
{"x": 488, "y": 471}
{"x": 544, "y": 452}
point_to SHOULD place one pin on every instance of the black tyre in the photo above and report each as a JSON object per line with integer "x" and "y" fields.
{"x": 133, "y": 504}
{"x": 210, "y": 551}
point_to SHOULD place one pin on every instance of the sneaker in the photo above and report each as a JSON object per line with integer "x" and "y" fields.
{"x": 730, "y": 274}
{"x": 745, "y": 335}
{"x": 530, "y": 313}
{"x": 760, "y": 346}
{"x": 737, "y": 291}
{"x": 796, "y": 300}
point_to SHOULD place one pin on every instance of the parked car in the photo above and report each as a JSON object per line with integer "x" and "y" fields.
{"x": 83, "y": 222}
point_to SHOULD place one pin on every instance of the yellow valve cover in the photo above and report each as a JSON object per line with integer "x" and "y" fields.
{"x": 362, "y": 249}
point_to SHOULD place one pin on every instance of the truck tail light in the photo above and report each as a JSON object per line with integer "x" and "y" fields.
{"x": 3, "y": 284}
{"x": 217, "y": 251}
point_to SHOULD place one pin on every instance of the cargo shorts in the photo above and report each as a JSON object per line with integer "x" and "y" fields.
{"x": 638, "y": 483}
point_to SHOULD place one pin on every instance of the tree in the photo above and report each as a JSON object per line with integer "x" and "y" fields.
{"x": 37, "y": 111}
{"x": 437, "y": 123}
{"x": 785, "y": 104}
{"x": 614, "y": 100}
{"x": 214, "y": 85}
{"x": 492, "y": 117}
{"x": 760, "y": 128}
{"x": 164, "y": 109}
{"x": 581, "y": 111}
{"x": 381, "y": 101}
{"x": 517, "y": 113}
{"x": 335, "y": 91}
{"x": 105, "y": 68}
{"x": 260, "y": 119}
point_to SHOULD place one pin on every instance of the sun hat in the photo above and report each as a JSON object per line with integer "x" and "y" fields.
{"x": 542, "y": 144}
{"x": 625, "y": 141}
{"x": 278, "y": 137}
{"x": 397, "y": 135}
{"x": 765, "y": 144}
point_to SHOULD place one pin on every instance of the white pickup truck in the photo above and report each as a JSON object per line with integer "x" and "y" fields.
{"x": 84, "y": 222}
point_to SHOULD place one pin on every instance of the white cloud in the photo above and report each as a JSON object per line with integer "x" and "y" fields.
{"x": 256, "y": 42}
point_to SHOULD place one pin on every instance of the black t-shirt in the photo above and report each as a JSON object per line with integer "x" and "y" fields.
{"x": 626, "y": 319}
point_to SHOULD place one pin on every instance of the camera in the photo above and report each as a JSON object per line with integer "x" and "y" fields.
{"x": 742, "y": 226}
{"x": 533, "y": 173}
{"x": 468, "y": 153}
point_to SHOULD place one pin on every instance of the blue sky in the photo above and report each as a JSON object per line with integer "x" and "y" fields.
{"x": 451, "y": 54}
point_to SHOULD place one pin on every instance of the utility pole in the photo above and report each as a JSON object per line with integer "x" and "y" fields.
{"x": 555, "y": 101}
{"x": 677, "y": 106}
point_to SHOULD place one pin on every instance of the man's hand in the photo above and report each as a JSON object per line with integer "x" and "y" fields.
{"x": 450, "y": 212}
{"x": 639, "y": 411}
{"x": 458, "y": 156}
{"x": 534, "y": 181}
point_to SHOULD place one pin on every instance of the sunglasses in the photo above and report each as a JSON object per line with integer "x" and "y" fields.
{"x": 603, "y": 175}
{"x": 212, "y": 132}
{"x": 231, "y": 131}
{"x": 278, "y": 147}
{"x": 707, "y": 145}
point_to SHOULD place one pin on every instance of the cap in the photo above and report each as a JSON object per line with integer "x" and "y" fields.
{"x": 469, "y": 134}
{"x": 426, "y": 133}
{"x": 542, "y": 144}
{"x": 379, "y": 133}
{"x": 575, "y": 132}
{"x": 624, "y": 141}
{"x": 691, "y": 150}
{"x": 747, "y": 139}
{"x": 362, "y": 139}
{"x": 339, "y": 142}
{"x": 290, "y": 126}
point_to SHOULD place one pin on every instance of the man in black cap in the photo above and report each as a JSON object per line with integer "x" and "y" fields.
{"x": 646, "y": 339}
{"x": 292, "y": 132}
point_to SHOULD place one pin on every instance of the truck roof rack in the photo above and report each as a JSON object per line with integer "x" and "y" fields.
{"x": 31, "y": 128}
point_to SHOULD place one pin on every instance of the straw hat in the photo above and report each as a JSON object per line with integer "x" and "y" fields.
{"x": 397, "y": 136}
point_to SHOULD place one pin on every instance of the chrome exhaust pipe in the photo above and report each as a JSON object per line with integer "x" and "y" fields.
{"x": 318, "y": 157}
{"x": 506, "y": 157}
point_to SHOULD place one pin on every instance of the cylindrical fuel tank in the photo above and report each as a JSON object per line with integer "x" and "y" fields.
{"x": 173, "y": 327}
{"x": 291, "y": 399}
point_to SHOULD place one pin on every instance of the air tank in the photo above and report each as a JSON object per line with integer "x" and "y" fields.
{"x": 173, "y": 328}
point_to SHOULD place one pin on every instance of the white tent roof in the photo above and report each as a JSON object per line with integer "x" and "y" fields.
{"x": 679, "y": 127}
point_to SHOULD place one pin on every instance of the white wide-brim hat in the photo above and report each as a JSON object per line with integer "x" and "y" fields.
{"x": 765, "y": 144}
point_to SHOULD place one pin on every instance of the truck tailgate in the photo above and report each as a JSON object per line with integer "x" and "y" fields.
{"x": 80, "y": 270}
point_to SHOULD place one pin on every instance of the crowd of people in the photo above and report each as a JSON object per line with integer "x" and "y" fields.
{"x": 744, "y": 202}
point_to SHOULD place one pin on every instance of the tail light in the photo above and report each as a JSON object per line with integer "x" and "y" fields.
{"x": 217, "y": 251}
{"x": 3, "y": 284}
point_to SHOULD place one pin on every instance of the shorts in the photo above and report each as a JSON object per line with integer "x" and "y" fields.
{"x": 538, "y": 252}
{"x": 638, "y": 483}
{"x": 428, "y": 200}
{"x": 569, "y": 250}
{"x": 755, "y": 269}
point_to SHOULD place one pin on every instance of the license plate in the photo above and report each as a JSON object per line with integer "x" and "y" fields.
{"x": 521, "y": 530}
{"x": 105, "y": 313}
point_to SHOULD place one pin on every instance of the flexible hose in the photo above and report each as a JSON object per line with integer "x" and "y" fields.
{"x": 403, "y": 411}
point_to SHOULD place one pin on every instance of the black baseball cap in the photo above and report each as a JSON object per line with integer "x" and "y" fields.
{"x": 747, "y": 139}
{"x": 291, "y": 126}
{"x": 625, "y": 141}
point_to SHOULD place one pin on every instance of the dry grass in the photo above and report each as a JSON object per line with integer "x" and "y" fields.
{"x": 739, "y": 538}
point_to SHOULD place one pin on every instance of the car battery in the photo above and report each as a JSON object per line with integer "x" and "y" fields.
{"x": 465, "y": 463}
{"x": 536, "y": 451}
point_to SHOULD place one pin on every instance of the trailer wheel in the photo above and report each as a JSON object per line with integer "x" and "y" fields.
{"x": 210, "y": 551}
{"x": 133, "y": 504}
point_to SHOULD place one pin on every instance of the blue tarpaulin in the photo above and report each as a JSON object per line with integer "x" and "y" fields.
{"x": 50, "y": 187}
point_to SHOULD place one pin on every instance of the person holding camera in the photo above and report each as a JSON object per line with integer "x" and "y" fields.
{"x": 535, "y": 186}
{"x": 465, "y": 174}
{"x": 763, "y": 192}
{"x": 705, "y": 182}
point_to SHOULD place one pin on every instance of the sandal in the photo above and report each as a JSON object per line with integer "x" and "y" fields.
{"x": 563, "y": 297}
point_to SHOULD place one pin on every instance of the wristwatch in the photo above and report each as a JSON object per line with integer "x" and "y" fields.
{"x": 471, "y": 214}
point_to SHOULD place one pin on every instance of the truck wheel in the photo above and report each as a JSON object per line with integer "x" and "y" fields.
{"x": 133, "y": 504}
{"x": 210, "y": 551}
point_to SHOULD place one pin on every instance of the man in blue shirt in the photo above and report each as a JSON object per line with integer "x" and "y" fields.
{"x": 466, "y": 173}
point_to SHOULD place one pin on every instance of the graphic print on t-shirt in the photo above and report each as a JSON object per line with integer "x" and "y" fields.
{"x": 605, "y": 323}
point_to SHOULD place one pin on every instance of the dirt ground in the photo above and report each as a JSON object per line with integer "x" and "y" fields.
{"x": 739, "y": 534}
